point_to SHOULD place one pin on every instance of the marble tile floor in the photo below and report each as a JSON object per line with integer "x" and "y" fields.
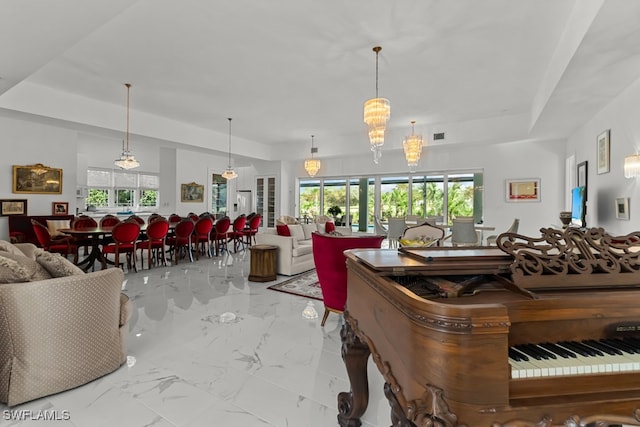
{"x": 209, "y": 348}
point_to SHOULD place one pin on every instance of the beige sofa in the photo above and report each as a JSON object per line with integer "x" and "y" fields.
{"x": 295, "y": 252}
{"x": 57, "y": 333}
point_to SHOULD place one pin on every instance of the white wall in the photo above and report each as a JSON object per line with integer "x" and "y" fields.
{"x": 26, "y": 143}
{"x": 621, "y": 117}
{"x": 60, "y": 147}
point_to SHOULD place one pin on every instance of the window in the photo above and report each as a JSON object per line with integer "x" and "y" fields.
{"x": 439, "y": 195}
{"x": 111, "y": 188}
{"x": 218, "y": 195}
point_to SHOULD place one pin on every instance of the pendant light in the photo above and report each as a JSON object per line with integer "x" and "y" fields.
{"x": 312, "y": 165}
{"x": 229, "y": 174}
{"x": 376, "y": 113}
{"x": 127, "y": 160}
{"x": 412, "y": 145}
{"x": 632, "y": 166}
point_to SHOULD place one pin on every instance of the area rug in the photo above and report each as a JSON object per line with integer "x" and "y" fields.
{"x": 305, "y": 285}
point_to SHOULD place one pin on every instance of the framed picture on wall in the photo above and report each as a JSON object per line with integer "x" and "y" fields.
{"x": 603, "y": 151}
{"x": 192, "y": 193}
{"x": 37, "y": 179}
{"x": 13, "y": 207}
{"x": 60, "y": 208}
{"x": 523, "y": 190}
{"x": 622, "y": 208}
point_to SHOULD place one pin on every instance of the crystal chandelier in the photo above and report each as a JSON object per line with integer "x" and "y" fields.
{"x": 312, "y": 165}
{"x": 412, "y": 148}
{"x": 376, "y": 113}
{"x": 127, "y": 160}
{"x": 632, "y": 166}
{"x": 229, "y": 174}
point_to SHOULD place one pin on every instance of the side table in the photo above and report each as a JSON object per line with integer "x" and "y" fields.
{"x": 263, "y": 263}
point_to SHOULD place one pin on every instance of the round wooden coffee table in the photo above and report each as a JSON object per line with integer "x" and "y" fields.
{"x": 263, "y": 263}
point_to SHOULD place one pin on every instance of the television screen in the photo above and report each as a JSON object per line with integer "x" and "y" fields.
{"x": 578, "y": 207}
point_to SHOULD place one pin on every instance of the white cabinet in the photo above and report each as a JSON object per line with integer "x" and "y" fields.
{"x": 266, "y": 200}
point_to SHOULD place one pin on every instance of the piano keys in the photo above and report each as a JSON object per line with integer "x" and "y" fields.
{"x": 493, "y": 351}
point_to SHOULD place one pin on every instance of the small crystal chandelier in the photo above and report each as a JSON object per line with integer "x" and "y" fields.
{"x": 127, "y": 160}
{"x": 229, "y": 174}
{"x": 312, "y": 165}
{"x": 376, "y": 113}
{"x": 632, "y": 166}
{"x": 412, "y": 148}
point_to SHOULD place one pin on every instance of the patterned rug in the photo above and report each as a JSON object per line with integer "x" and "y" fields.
{"x": 305, "y": 285}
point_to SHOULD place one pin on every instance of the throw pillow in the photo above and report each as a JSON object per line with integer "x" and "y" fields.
{"x": 329, "y": 227}
{"x": 296, "y": 231}
{"x": 56, "y": 264}
{"x": 19, "y": 268}
{"x": 283, "y": 230}
{"x": 9, "y": 247}
{"x": 56, "y": 224}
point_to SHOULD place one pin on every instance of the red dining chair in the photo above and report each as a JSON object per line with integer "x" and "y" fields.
{"x": 331, "y": 266}
{"x": 237, "y": 232}
{"x": 83, "y": 221}
{"x": 157, "y": 231}
{"x": 251, "y": 229}
{"x": 201, "y": 236}
{"x": 125, "y": 236}
{"x": 219, "y": 235}
{"x": 174, "y": 218}
{"x": 64, "y": 245}
{"x": 180, "y": 241}
{"x": 109, "y": 220}
{"x": 137, "y": 219}
{"x": 155, "y": 217}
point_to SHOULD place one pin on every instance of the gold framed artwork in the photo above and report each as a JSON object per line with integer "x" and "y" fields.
{"x": 13, "y": 207}
{"x": 603, "y": 150}
{"x": 192, "y": 193}
{"x": 37, "y": 179}
{"x": 523, "y": 190}
{"x": 60, "y": 208}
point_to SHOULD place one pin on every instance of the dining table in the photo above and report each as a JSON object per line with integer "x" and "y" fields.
{"x": 96, "y": 235}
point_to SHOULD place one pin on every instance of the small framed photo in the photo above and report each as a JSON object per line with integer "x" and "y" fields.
{"x": 60, "y": 208}
{"x": 523, "y": 190}
{"x": 192, "y": 193}
{"x": 622, "y": 208}
{"x": 603, "y": 150}
{"x": 13, "y": 207}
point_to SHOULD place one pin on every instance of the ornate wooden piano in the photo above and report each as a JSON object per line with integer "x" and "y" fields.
{"x": 537, "y": 332}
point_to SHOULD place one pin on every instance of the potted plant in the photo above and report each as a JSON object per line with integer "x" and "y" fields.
{"x": 334, "y": 211}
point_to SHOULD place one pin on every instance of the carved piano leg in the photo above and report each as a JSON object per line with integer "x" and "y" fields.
{"x": 398, "y": 417}
{"x": 355, "y": 354}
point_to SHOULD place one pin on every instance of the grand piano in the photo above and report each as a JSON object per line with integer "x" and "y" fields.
{"x": 540, "y": 332}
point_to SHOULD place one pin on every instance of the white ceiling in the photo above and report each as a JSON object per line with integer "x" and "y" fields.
{"x": 481, "y": 71}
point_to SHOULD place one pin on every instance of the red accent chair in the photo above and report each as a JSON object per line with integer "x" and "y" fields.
{"x": 64, "y": 245}
{"x": 180, "y": 241}
{"x": 237, "y": 232}
{"x": 125, "y": 236}
{"x": 251, "y": 229}
{"x": 201, "y": 238}
{"x": 331, "y": 267}
{"x": 219, "y": 235}
{"x": 175, "y": 218}
{"x": 157, "y": 231}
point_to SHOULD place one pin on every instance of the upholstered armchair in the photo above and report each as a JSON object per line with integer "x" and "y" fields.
{"x": 331, "y": 267}
{"x": 58, "y": 333}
